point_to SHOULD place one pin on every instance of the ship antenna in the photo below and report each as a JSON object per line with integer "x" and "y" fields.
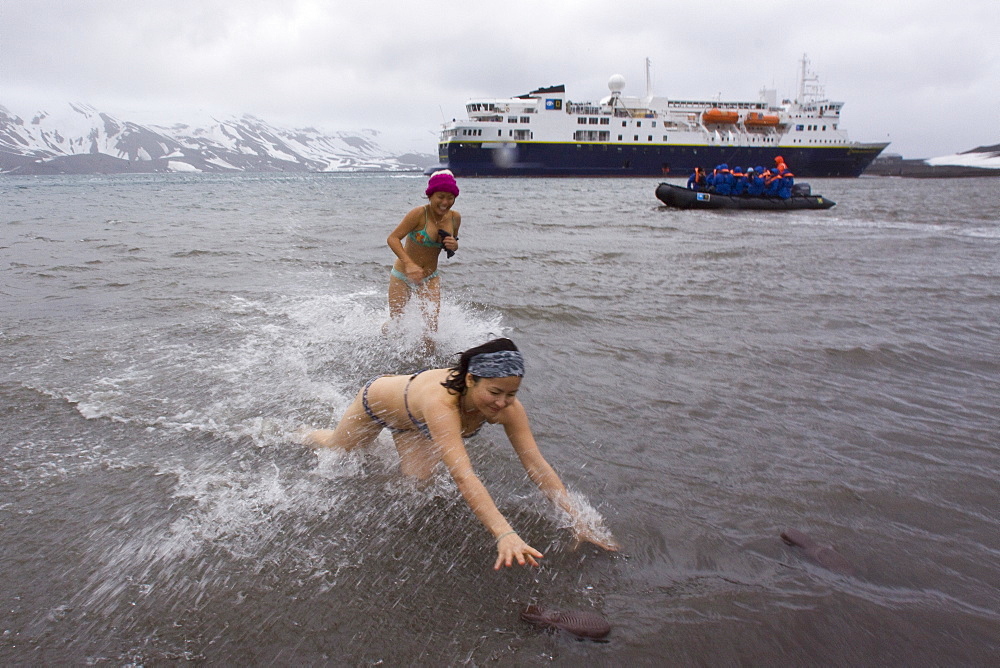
{"x": 802, "y": 78}
{"x": 649, "y": 78}
{"x": 810, "y": 89}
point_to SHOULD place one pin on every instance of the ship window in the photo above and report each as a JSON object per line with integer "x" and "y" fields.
{"x": 635, "y": 138}
{"x": 623, "y": 123}
{"x": 654, "y": 124}
{"x": 605, "y": 121}
{"x": 591, "y": 135}
{"x": 824, "y": 128}
{"x": 581, "y": 121}
{"x": 619, "y": 137}
{"x": 649, "y": 138}
{"x": 638, "y": 124}
{"x": 664, "y": 137}
{"x": 512, "y": 119}
{"x": 592, "y": 121}
{"x": 525, "y": 119}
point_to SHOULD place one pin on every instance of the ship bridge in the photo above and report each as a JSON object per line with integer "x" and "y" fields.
{"x": 493, "y": 109}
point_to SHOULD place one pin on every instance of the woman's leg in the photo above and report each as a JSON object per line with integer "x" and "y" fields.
{"x": 429, "y": 294}
{"x": 417, "y": 455}
{"x": 399, "y": 295}
{"x": 429, "y": 298}
{"x": 354, "y": 430}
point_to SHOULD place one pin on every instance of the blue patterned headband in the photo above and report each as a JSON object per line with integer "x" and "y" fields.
{"x": 499, "y": 364}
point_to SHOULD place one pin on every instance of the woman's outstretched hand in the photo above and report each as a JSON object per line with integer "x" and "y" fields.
{"x": 511, "y": 547}
{"x": 585, "y": 534}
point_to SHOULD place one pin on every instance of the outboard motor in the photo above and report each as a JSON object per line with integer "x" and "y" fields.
{"x": 801, "y": 190}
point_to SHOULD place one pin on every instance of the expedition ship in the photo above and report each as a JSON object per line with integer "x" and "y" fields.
{"x": 541, "y": 133}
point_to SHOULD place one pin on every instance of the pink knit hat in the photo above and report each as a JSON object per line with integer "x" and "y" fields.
{"x": 442, "y": 181}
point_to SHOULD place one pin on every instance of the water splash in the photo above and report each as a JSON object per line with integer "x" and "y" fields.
{"x": 260, "y": 370}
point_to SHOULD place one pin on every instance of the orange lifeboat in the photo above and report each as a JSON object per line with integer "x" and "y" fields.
{"x": 756, "y": 119}
{"x": 719, "y": 116}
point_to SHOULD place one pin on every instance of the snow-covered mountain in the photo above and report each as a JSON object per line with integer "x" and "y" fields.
{"x": 81, "y": 139}
{"x": 981, "y": 161}
{"x": 983, "y": 157}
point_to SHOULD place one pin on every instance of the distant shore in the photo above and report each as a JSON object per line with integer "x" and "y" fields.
{"x": 894, "y": 165}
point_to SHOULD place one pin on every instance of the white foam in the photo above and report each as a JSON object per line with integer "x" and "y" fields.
{"x": 336, "y": 463}
{"x": 587, "y": 518}
{"x": 284, "y": 362}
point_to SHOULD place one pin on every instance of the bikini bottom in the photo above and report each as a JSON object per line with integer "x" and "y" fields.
{"x": 410, "y": 284}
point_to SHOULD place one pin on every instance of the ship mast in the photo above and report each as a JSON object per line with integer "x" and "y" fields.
{"x": 649, "y": 78}
{"x": 810, "y": 90}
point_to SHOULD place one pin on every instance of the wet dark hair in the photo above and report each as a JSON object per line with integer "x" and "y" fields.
{"x": 455, "y": 382}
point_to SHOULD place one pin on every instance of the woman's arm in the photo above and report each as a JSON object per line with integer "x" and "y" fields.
{"x": 515, "y": 422}
{"x": 451, "y": 243}
{"x": 409, "y": 223}
{"x": 446, "y": 429}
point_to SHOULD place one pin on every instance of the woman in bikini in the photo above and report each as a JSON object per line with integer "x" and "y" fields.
{"x": 417, "y": 242}
{"x": 429, "y": 415}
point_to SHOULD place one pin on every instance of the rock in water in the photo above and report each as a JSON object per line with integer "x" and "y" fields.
{"x": 824, "y": 555}
{"x": 580, "y": 623}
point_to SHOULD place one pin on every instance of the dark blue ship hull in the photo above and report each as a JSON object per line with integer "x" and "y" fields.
{"x": 593, "y": 159}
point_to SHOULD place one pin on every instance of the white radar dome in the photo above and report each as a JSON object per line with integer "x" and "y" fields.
{"x": 616, "y": 83}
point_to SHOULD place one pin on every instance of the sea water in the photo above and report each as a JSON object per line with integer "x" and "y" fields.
{"x": 700, "y": 380}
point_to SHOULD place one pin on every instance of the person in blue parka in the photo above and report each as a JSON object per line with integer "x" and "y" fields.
{"x": 787, "y": 180}
{"x": 710, "y": 180}
{"x": 723, "y": 180}
{"x": 772, "y": 183}
{"x": 740, "y": 182}
{"x": 697, "y": 181}
{"x": 756, "y": 186}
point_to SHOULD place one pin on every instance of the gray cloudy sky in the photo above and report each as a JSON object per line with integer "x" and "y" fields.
{"x": 924, "y": 74}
